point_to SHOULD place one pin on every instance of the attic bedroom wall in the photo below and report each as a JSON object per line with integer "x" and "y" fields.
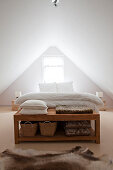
{"x": 28, "y": 81}
{"x": 82, "y": 29}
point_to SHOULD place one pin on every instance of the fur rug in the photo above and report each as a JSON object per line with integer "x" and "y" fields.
{"x": 75, "y": 159}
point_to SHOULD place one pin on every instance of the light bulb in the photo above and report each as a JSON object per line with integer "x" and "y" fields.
{"x": 55, "y": 2}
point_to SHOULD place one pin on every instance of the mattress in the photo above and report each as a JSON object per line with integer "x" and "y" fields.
{"x": 54, "y": 99}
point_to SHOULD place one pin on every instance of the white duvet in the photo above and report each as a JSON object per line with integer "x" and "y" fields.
{"x": 53, "y": 99}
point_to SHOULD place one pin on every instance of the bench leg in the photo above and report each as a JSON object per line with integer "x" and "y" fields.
{"x": 97, "y": 129}
{"x": 16, "y": 130}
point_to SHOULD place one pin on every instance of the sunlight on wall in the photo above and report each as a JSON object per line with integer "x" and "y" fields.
{"x": 53, "y": 69}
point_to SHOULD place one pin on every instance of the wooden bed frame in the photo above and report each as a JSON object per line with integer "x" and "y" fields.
{"x": 59, "y": 136}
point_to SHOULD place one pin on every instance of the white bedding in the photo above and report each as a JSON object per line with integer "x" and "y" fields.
{"x": 53, "y": 99}
{"x": 33, "y": 112}
{"x": 94, "y": 107}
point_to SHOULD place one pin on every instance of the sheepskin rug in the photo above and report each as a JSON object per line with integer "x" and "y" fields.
{"x": 78, "y": 158}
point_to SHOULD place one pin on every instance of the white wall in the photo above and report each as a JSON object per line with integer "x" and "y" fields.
{"x": 28, "y": 81}
{"x": 82, "y": 29}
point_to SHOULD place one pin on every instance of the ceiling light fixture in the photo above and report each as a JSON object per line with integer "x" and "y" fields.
{"x": 55, "y": 2}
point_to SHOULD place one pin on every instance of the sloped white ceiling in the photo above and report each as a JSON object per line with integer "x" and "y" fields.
{"x": 82, "y": 29}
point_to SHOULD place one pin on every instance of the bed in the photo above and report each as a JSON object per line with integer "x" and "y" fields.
{"x": 54, "y": 99}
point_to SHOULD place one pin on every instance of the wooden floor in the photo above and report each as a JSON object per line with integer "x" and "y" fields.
{"x": 7, "y": 136}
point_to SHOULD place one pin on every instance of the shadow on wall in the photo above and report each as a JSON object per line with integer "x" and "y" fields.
{"x": 28, "y": 81}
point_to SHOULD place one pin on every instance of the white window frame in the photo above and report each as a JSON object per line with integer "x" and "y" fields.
{"x": 43, "y": 66}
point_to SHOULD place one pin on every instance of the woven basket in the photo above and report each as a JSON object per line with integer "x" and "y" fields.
{"x": 48, "y": 128}
{"x": 28, "y": 129}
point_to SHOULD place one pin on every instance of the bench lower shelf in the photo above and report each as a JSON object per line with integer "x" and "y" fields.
{"x": 59, "y": 136}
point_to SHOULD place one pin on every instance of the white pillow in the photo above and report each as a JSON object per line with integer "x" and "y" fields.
{"x": 34, "y": 104}
{"x": 66, "y": 87}
{"x": 48, "y": 87}
{"x": 33, "y": 112}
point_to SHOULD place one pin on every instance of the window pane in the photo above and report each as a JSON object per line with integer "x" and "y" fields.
{"x": 53, "y": 74}
{"x": 53, "y": 61}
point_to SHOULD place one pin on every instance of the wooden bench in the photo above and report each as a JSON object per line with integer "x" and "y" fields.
{"x": 59, "y": 136}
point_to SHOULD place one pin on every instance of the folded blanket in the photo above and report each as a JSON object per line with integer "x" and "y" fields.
{"x": 34, "y": 105}
{"x": 73, "y": 110}
{"x": 77, "y": 132}
{"x": 33, "y": 112}
{"x": 78, "y": 124}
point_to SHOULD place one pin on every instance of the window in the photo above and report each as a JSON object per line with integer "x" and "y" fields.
{"x": 53, "y": 69}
